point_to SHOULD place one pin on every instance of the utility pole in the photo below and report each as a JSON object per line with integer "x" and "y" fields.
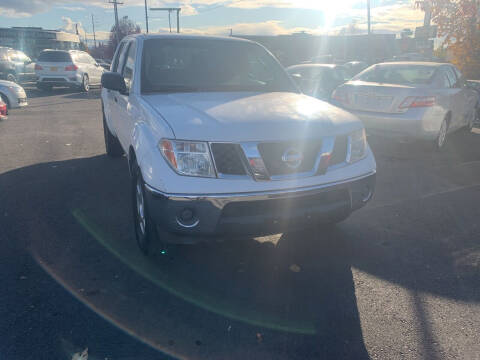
{"x": 93, "y": 27}
{"x": 368, "y": 17}
{"x": 369, "y": 42}
{"x": 146, "y": 16}
{"x": 115, "y": 9}
{"x": 169, "y": 11}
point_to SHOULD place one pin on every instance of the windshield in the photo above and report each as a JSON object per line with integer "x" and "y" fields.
{"x": 55, "y": 56}
{"x": 398, "y": 74}
{"x": 210, "y": 65}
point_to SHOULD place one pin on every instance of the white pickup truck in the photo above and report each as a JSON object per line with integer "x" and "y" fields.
{"x": 220, "y": 142}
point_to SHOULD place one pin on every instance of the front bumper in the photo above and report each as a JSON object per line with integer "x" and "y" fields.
{"x": 257, "y": 213}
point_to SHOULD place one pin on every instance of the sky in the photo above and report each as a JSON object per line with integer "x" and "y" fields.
{"x": 218, "y": 17}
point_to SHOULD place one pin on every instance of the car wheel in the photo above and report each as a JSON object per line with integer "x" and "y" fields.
{"x": 145, "y": 228}
{"x": 112, "y": 145}
{"x": 11, "y": 77}
{"x": 85, "y": 87}
{"x": 442, "y": 135}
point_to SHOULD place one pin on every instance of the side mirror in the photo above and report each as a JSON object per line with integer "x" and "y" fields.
{"x": 114, "y": 81}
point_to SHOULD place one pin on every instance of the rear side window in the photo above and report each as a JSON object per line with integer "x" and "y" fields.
{"x": 54, "y": 56}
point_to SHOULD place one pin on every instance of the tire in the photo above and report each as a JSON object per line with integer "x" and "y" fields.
{"x": 112, "y": 145}
{"x": 85, "y": 87}
{"x": 145, "y": 228}
{"x": 441, "y": 139}
{"x": 12, "y": 77}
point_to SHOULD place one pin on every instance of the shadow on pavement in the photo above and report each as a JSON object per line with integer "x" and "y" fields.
{"x": 65, "y": 92}
{"x": 291, "y": 297}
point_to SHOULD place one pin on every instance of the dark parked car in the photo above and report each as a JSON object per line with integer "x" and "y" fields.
{"x": 15, "y": 66}
{"x": 318, "y": 80}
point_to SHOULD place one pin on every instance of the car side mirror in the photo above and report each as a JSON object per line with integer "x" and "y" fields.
{"x": 114, "y": 81}
{"x": 28, "y": 62}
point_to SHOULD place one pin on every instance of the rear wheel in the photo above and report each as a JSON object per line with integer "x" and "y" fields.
{"x": 85, "y": 87}
{"x": 442, "y": 135}
{"x": 112, "y": 145}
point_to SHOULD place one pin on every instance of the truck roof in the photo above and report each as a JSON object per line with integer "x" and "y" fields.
{"x": 187, "y": 36}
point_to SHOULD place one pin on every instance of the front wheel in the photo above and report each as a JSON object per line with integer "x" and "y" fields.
{"x": 145, "y": 228}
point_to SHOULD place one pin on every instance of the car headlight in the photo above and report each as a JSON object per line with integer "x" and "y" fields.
{"x": 357, "y": 146}
{"x": 190, "y": 158}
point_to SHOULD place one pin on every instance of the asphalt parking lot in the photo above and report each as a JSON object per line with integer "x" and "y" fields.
{"x": 400, "y": 279}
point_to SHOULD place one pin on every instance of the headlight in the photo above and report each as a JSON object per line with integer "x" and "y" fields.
{"x": 357, "y": 146}
{"x": 190, "y": 158}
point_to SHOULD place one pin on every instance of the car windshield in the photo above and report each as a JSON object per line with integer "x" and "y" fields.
{"x": 210, "y": 65}
{"x": 55, "y": 56}
{"x": 398, "y": 74}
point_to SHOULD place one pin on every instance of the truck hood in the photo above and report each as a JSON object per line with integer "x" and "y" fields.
{"x": 236, "y": 117}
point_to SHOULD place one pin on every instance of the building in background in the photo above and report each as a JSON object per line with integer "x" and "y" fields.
{"x": 32, "y": 40}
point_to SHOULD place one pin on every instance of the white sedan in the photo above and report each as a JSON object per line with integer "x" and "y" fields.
{"x": 418, "y": 100}
{"x": 12, "y": 94}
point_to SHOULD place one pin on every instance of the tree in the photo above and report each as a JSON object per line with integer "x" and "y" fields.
{"x": 125, "y": 27}
{"x": 459, "y": 24}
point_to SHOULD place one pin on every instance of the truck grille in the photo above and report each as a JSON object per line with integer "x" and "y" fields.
{"x": 227, "y": 159}
{"x": 230, "y": 158}
{"x": 339, "y": 153}
{"x": 272, "y": 154}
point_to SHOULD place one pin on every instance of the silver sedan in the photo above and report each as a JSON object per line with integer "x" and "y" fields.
{"x": 12, "y": 94}
{"x": 418, "y": 100}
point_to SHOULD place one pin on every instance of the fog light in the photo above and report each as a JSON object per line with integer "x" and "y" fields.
{"x": 186, "y": 215}
{"x": 186, "y": 218}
